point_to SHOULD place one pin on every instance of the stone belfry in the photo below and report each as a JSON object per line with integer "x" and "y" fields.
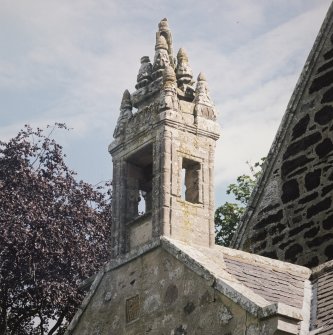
{"x": 163, "y": 155}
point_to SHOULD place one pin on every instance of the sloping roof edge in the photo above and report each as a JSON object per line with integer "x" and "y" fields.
{"x": 298, "y": 92}
{"x": 222, "y": 281}
{"x": 219, "y": 279}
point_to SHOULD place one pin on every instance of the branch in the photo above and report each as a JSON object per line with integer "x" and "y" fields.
{"x": 59, "y": 321}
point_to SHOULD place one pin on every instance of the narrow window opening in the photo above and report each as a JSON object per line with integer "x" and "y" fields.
{"x": 191, "y": 180}
{"x": 139, "y": 182}
{"x": 183, "y": 183}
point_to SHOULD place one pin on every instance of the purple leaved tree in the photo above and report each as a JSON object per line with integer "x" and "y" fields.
{"x": 54, "y": 233}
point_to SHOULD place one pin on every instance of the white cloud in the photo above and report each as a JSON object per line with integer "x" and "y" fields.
{"x": 83, "y": 54}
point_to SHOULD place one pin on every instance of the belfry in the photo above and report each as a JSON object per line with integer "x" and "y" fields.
{"x": 166, "y": 276}
{"x": 163, "y": 154}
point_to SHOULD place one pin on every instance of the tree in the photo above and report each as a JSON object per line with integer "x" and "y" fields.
{"x": 228, "y": 215}
{"x": 53, "y": 234}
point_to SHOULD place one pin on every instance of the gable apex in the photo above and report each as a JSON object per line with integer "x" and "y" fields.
{"x": 288, "y": 206}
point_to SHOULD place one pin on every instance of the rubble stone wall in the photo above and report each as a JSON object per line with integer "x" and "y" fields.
{"x": 293, "y": 220}
{"x": 158, "y": 295}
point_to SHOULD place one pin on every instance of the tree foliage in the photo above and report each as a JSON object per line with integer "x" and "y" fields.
{"x": 228, "y": 215}
{"x": 53, "y": 234}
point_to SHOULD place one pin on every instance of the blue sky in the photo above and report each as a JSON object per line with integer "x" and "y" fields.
{"x": 70, "y": 61}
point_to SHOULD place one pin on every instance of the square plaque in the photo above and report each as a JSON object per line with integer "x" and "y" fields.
{"x": 132, "y": 308}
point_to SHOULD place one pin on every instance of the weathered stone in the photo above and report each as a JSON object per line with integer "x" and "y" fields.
{"x": 324, "y": 115}
{"x": 297, "y": 219}
{"x": 171, "y": 294}
{"x": 302, "y": 145}
{"x": 292, "y": 252}
{"x": 327, "y": 96}
{"x": 300, "y": 127}
{"x": 184, "y": 73}
{"x": 259, "y": 247}
{"x": 312, "y": 179}
{"x": 324, "y": 148}
{"x": 272, "y": 218}
{"x": 319, "y": 240}
{"x": 311, "y": 233}
{"x": 300, "y": 228}
{"x": 307, "y": 199}
{"x": 291, "y": 165}
{"x": 329, "y": 251}
{"x": 282, "y": 246}
{"x": 189, "y": 308}
{"x": 290, "y": 191}
{"x": 321, "y": 82}
{"x": 278, "y": 238}
{"x": 259, "y": 236}
{"x": 278, "y": 228}
{"x": 318, "y": 207}
{"x": 145, "y": 73}
{"x": 325, "y": 67}
{"x": 270, "y": 254}
{"x": 203, "y": 106}
{"x": 125, "y": 114}
{"x": 181, "y": 330}
{"x": 313, "y": 262}
{"x": 298, "y": 172}
{"x": 328, "y": 222}
{"x": 328, "y": 54}
{"x": 269, "y": 208}
{"x": 326, "y": 190}
{"x": 163, "y": 138}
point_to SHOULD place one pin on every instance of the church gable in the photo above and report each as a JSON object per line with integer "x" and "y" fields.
{"x": 175, "y": 288}
{"x": 157, "y": 294}
{"x": 290, "y": 215}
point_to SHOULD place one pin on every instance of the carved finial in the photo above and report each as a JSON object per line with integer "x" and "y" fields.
{"x": 161, "y": 59}
{"x": 169, "y": 76}
{"x": 169, "y": 98}
{"x": 125, "y": 114}
{"x": 183, "y": 71}
{"x": 203, "y": 105}
{"x": 144, "y": 75}
{"x": 201, "y": 77}
{"x": 126, "y": 102}
{"x": 163, "y": 25}
{"x": 161, "y": 42}
{"x": 182, "y": 55}
{"x": 164, "y": 30}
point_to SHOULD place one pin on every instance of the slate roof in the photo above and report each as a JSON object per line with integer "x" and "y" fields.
{"x": 262, "y": 286}
{"x": 272, "y": 280}
{"x": 272, "y": 283}
{"x": 322, "y": 301}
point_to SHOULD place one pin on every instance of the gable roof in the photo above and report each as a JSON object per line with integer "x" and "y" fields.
{"x": 301, "y": 147}
{"x": 263, "y": 287}
{"x": 258, "y": 284}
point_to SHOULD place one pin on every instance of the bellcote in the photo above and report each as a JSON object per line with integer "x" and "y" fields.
{"x": 163, "y": 154}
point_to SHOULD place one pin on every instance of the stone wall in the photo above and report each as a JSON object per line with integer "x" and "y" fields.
{"x": 291, "y": 215}
{"x": 158, "y": 295}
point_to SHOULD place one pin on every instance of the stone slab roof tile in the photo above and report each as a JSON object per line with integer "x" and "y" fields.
{"x": 273, "y": 285}
{"x": 272, "y": 280}
{"x": 322, "y": 279}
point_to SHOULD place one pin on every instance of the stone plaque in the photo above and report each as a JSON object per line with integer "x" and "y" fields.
{"x": 132, "y": 308}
